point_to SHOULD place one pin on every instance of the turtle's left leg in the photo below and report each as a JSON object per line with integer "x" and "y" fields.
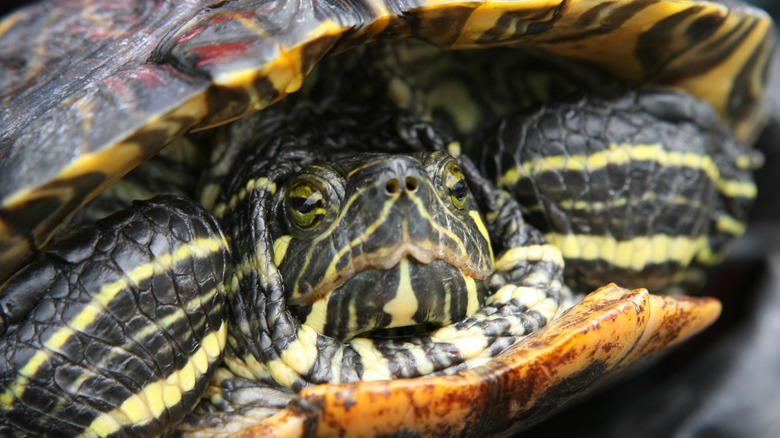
{"x": 118, "y": 328}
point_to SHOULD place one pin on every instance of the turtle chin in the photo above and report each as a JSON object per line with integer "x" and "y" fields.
{"x": 407, "y": 299}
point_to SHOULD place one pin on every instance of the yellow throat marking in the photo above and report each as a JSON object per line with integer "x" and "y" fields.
{"x": 404, "y": 305}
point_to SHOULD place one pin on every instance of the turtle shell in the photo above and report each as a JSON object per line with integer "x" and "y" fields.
{"x": 90, "y": 90}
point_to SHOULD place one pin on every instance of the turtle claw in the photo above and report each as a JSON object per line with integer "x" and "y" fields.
{"x": 609, "y": 330}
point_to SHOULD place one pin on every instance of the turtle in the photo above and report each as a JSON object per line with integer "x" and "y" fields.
{"x": 93, "y": 90}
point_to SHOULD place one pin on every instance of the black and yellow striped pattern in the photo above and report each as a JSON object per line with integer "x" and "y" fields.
{"x": 127, "y": 328}
{"x": 632, "y": 190}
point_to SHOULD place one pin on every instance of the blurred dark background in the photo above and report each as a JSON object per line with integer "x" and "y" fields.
{"x": 9, "y": 5}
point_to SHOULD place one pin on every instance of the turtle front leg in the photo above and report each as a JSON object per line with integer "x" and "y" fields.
{"x": 528, "y": 269}
{"x": 634, "y": 187}
{"x": 117, "y": 328}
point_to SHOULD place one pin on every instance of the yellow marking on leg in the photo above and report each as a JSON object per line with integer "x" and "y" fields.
{"x": 248, "y": 367}
{"x": 376, "y": 365}
{"x": 634, "y": 253}
{"x": 298, "y": 358}
{"x": 335, "y": 365}
{"x": 199, "y": 248}
{"x": 623, "y": 153}
{"x": 156, "y": 397}
{"x": 179, "y": 314}
{"x": 258, "y": 263}
{"x": 745, "y": 162}
{"x": 282, "y": 373}
{"x": 598, "y": 206}
{"x": 422, "y": 361}
{"x": 730, "y": 225}
{"x": 301, "y": 354}
{"x": 251, "y": 186}
{"x": 502, "y": 295}
{"x": 531, "y": 253}
{"x": 470, "y": 342}
{"x": 707, "y": 257}
{"x": 454, "y": 149}
{"x": 737, "y": 189}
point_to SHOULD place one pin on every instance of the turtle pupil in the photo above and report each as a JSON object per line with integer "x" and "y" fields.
{"x": 306, "y": 206}
{"x": 458, "y": 190}
{"x": 303, "y": 205}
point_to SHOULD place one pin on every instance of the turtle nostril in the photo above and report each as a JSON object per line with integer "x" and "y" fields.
{"x": 411, "y": 183}
{"x": 393, "y": 186}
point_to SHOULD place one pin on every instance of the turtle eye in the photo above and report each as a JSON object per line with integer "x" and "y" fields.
{"x": 306, "y": 205}
{"x": 457, "y": 188}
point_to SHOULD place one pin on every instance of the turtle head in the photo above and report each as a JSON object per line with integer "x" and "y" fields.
{"x": 382, "y": 244}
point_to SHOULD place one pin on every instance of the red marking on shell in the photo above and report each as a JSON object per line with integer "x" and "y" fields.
{"x": 214, "y": 53}
{"x": 94, "y": 34}
{"x": 197, "y": 30}
{"x": 6, "y": 65}
{"x": 148, "y": 76}
{"x": 101, "y": 20}
{"x": 116, "y": 84}
{"x": 217, "y": 19}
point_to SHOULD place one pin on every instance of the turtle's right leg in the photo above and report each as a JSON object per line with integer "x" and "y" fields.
{"x": 118, "y": 328}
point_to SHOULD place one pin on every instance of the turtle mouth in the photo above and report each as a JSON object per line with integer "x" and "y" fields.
{"x": 389, "y": 259}
{"x": 407, "y": 299}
